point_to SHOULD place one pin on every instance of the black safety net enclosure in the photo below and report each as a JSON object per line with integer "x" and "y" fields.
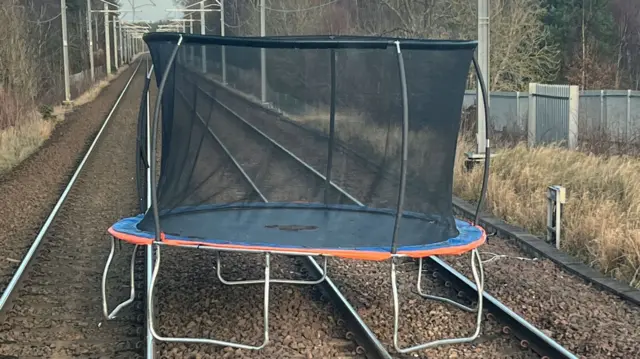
{"x": 376, "y": 119}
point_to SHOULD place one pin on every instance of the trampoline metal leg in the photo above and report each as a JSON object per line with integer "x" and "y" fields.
{"x": 478, "y": 276}
{"x": 105, "y": 309}
{"x": 260, "y": 281}
{"x": 438, "y": 298}
{"x": 150, "y": 312}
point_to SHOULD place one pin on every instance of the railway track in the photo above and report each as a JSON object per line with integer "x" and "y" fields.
{"x": 278, "y": 132}
{"x": 55, "y": 297}
{"x": 51, "y": 306}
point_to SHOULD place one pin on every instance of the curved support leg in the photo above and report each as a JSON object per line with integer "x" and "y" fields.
{"x": 442, "y": 299}
{"x": 260, "y": 281}
{"x": 105, "y": 309}
{"x": 478, "y": 276}
{"x": 151, "y": 314}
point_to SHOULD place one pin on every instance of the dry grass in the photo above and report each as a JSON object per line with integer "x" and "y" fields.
{"x": 27, "y": 130}
{"x": 91, "y": 94}
{"x": 601, "y": 219}
{"x": 19, "y": 142}
{"x": 94, "y": 91}
{"x": 22, "y": 129}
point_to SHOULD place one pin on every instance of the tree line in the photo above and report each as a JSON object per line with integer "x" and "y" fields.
{"x": 31, "y": 65}
{"x": 591, "y": 43}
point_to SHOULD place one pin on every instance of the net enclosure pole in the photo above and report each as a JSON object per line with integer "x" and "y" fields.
{"x": 403, "y": 158}
{"x": 90, "y": 38}
{"x": 263, "y": 55}
{"x": 107, "y": 45}
{"x": 154, "y": 142}
{"x": 65, "y": 51}
{"x": 332, "y": 125}
{"x": 487, "y": 149}
{"x": 153, "y": 186}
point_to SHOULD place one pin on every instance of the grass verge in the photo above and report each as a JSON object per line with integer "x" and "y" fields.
{"x": 20, "y": 141}
{"x": 30, "y": 128}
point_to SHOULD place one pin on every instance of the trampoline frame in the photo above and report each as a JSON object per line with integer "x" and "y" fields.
{"x": 476, "y": 263}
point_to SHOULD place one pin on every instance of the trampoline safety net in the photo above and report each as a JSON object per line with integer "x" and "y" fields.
{"x": 337, "y": 105}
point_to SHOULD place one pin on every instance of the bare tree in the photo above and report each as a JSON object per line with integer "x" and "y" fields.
{"x": 520, "y": 51}
{"x": 627, "y": 16}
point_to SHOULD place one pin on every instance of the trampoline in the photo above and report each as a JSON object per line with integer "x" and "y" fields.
{"x": 421, "y": 101}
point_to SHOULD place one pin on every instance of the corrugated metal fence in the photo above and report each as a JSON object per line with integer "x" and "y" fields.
{"x": 611, "y": 113}
{"x": 615, "y": 113}
{"x": 553, "y": 114}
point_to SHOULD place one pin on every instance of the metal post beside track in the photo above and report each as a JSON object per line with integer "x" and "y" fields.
{"x": 65, "y": 51}
{"x": 107, "y": 40}
{"x": 224, "y": 49}
{"x": 556, "y": 198}
{"x": 90, "y": 38}
{"x": 263, "y": 56}
{"x": 203, "y": 52}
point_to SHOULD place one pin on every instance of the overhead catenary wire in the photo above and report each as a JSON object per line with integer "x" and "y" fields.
{"x": 243, "y": 23}
{"x": 45, "y": 21}
{"x": 315, "y": 7}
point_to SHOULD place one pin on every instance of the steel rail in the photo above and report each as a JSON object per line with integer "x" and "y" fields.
{"x": 367, "y": 340}
{"x": 527, "y": 332}
{"x": 10, "y": 290}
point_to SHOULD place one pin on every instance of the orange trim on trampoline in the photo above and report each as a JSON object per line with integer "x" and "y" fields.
{"x": 130, "y": 238}
{"x": 350, "y": 254}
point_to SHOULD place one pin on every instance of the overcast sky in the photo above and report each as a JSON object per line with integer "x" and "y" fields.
{"x": 148, "y": 12}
